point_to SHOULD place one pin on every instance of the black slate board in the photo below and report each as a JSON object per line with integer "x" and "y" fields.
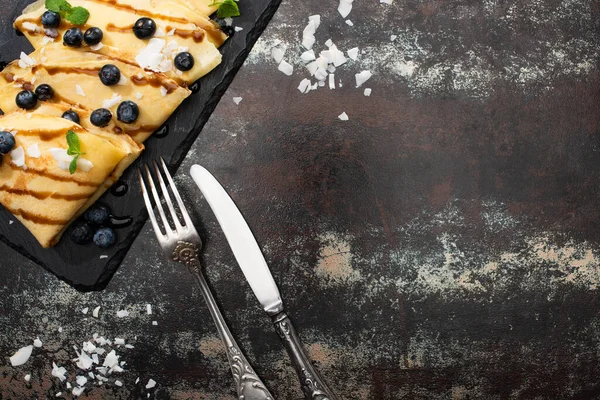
{"x": 81, "y": 266}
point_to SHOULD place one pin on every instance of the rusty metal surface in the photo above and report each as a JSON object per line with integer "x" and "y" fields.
{"x": 445, "y": 238}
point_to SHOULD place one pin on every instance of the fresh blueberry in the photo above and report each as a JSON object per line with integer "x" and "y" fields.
{"x": 7, "y": 142}
{"x": 71, "y": 116}
{"x": 128, "y": 112}
{"x": 110, "y": 75}
{"x": 144, "y": 28}
{"x": 73, "y": 37}
{"x": 26, "y": 99}
{"x": 82, "y": 233}
{"x": 105, "y": 238}
{"x": 98, "y": 215}
{"x": 101, "y": 117}
{"x": 184, "y": 61}
{"x": 93, "y": 36}
{"x": 44, "y": 92}
{"x": 51, "y": 19}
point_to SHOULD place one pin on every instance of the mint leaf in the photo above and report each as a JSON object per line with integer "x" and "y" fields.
{"x": 73, "y": 142}
{"x": 73, "y": 165}
{"x": 56, "y": 5}
{"x": 77, "y": 15}
{"x": 227, "y": 9}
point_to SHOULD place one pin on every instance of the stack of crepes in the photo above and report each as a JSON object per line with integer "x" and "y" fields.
{"x": 35, "y": 184}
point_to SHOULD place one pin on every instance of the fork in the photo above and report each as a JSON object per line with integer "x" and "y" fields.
{"x": 182, "y": 244}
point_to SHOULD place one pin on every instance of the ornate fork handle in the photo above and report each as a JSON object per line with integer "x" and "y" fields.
{"x": 248, "y": 384}
{"x": 313, "y": 386}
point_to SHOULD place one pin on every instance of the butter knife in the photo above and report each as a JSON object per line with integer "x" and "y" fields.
{"x": 257, "y": 273}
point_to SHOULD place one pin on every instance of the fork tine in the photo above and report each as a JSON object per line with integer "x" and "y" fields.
{"x": 184, "y": 213}
{"x": 161, "y": 210}
{"x": 155, "y": 225}
{"x": 161, "y": 181}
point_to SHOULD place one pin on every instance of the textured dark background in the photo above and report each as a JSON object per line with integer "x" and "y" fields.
{"x": 441, "y": 244}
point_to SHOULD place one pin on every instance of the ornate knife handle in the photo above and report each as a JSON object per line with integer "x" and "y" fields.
{"x": 313, "y": 385}
{"x": 248, "y": 384}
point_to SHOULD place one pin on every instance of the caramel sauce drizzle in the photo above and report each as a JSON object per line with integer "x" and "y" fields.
{"x": 45, "y": 195}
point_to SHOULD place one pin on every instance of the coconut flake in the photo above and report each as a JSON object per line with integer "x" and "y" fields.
{"x": 331, "y": 81}
{"x": 123, "y": 80}
{"x": 21, "y": 356}
{"x": 367, "y": 92}
{"x": 60, "y": 329}
{"x": 37, "y": 342}
{"x": 119, "y": 341}
{"x": 78, "y": 391}
{"x": 329, "y": 43}
{"x": 171, "y": 32}
{"x": 237, "y": 100}
{"x": 79, "y": 90}
{"x": 113, "y": 101}
{"x": 33, "y": 151}
{"x": 96, "y": 47}
{"x": 349, "y": 23}
{"x": 59, "y": 372}
{"x": 122, "y": 313}
{"x": 238, "y": 29}
{"x": 84, "y": 361}
{"x": 160, "y": 32}
{"x": 85, "y": 310}
{"x": 149, "y": 309}
{"x": 118, "y": 383}
{"x": 304, "y": 86}
{"x": 68, "y": 385}
{"x": 51, "y": 33}
{"x": 345, "y": 7}
{"x": 312, "y": 67}
{"x": 353, "y": 53}
{"x": 95, "y": 359}
{"x": 81, "y": 380}
{"x": 343, "y": 116}
{"x": 286, "y": 68}
{"x": 308, "y": 55}
{"x": 163, "y": 91}
{"x": 362, "y": 77}
{"x": 392, "y": 38}
{"x": 386, "y": 1}
{"x": 151, "y": 57}
{"x": 27, "y": 377}
{"x": 308, "y": 35}
{"x": 18, "y": 156}
{"x": 278, "y": 52}
{"x": 151, "y": 383}
{"x": 26, "y": 61}
{"x": 111, "y": 360}
{"x": 155, "y": 323}
{"x": 30, "y": 26}
{"x": 95, "y": 312}
{"x": 58, "y": 394}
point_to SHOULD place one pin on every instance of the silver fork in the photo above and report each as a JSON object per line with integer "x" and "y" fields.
{"x": 182, "y": 245}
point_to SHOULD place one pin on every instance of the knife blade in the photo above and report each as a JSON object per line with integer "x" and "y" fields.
{"x": 257, "y": 273}
{"x": 241, "y": 240}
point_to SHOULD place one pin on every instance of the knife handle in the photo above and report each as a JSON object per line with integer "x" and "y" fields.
{"x": 313, "y": 385}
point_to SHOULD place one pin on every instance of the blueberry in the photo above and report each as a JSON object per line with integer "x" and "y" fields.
{"x": 98, "y": 215}
{"x": 144, "y": 28}
{"x": 110, "y": 75}
{"x": 128, "y": 112}
{"x": 73, "y": 37}
{"x": 101, "y": 117}
{"x": 184, "y": 61}
{"x": 71, "y": 116}
{"x": 7, "y": 142}
{"x": 44, "y": 92}
{"x": 82, "y": 233}
{"x": 26, "y": 99}
{"x": 105, "y": 238}
{"x": 51, "y": 19}
{"x": 93, "y": 36}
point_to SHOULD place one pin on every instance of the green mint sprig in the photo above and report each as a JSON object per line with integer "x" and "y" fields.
{"x": 75, "y": 15}
{"x": 73, "y": 150}
{"x": 227, "y": 8}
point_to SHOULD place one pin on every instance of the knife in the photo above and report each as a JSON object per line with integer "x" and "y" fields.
{"x": 257, "y": 273}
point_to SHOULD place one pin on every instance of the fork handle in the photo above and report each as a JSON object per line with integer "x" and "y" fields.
{"x": 248, "y": 385}
{"x": 313, "y": 385}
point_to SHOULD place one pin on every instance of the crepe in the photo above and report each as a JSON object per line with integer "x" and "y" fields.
{"x": 41, "y": 193}
{"x": 74, "y": 78}
{"x": 182, "y": 26}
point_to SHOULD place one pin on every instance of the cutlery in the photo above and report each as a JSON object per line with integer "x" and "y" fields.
{"x": 255, "y": 269}
{"x": 182, "y": 244}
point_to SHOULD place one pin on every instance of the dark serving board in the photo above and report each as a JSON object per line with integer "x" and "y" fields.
{"x": 81, "y": 266}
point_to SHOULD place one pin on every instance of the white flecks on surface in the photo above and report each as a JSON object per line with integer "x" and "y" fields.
{"x": 118, "y": 383}
{"x": 286, "y": 68}
{"x": 155, "y": 323}
{"x": 27, "y": 377}
{"x": 163, "y": 91}
{"x": 122, "y": 313}
{"x": 308, "y": 35}
{"x": 30, "y": 26}
{"x": 149, "y": 309}
{"x": 81, "y": 380}
{"x": 362, "y": 77}
{"x": 238, "y": 29}
{"x": 111, "y": 360}
{"x": 304, "y": 86}
{"x": 139, "y": 95}
{"x": 277, "y": 52}
{"x": 37, "y": 342}
{"x": 393, "y": 37}
{"x": 237, "y": 100}
{"x": 21, "y": 356}
{"x": 329, "y": 43}
{"x": 84, "y": 361}
{"x": 353, "y": 53}
{"x": 85, "y": 310}
{"x": 18, "y": 156}
{"x": 367, "y": 92}
{"x": 79, "y": 90}
{"x": 96, "y": 312}
{"x": 308, "y": 55}
{"x": 343, "y": 116}
{"x": 349, "y": 23}
{"x": 33, "y": 151}
{"x": 151, "y": 383}
{"x": 345, "y": 7}
{"x": 119, "y": 341}
{"x": 331, "y": 81}
{"x": 78, "y": 391}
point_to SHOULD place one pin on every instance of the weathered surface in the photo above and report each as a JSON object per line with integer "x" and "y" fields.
{"x": 442, "y": 243}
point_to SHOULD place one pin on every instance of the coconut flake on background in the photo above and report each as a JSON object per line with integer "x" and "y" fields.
{"x": 353, "y": 53}
{"x": 33, "y": 151}
{"x": 118, "y": 383}
{"x": 25, "y": 61}
{"x": 21, "y": 356}
{"x": 308, "y": 55}
{"x": 386, "y": 1}
{"x": 345, "y": 7}
{"x": 164, "y": 91}
{"x": 362, "y": 77}
{"x": 149, "y": 309}
{"x": 27, "y": 377}
{"x": 95, "y": 312}
{"x": 84, "y": 361}
{"x": 79, "y": 90}
{"x": 238, "y": 29}
{"x": 78, "y": 391}
{"x": 349, "y": 23}
{"x": 30, "y": 26}
{"x": 59, "y": 372}
{"x": 18, "y": 156}
{"x": 85, "y": 310}
{"x": 151, "y": 56}
{"x": 160, "y": 32}
{"x": 331, "y": 81}
{"x": 286, "y": 68}
{"x": 237, "y": 100}
{"x": 151, "y": 383}
{"x": 308, "y": 35}
{"x": 96, "y": 47}
{"x": 343, "y": 116}
{"x": 392, "y": 38}
{"x": 122, "y": 313}
{"x": 111, "y": 360}
{"x": 277, "y": 52}
{"x": 37, "y": 342}
{"x": 367, "y": 92}
{"x": 119, "y": 341}
{"x": 304, "y": 86}
{"x": 155, "y": 323}
{"x": 81, "y": 380}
